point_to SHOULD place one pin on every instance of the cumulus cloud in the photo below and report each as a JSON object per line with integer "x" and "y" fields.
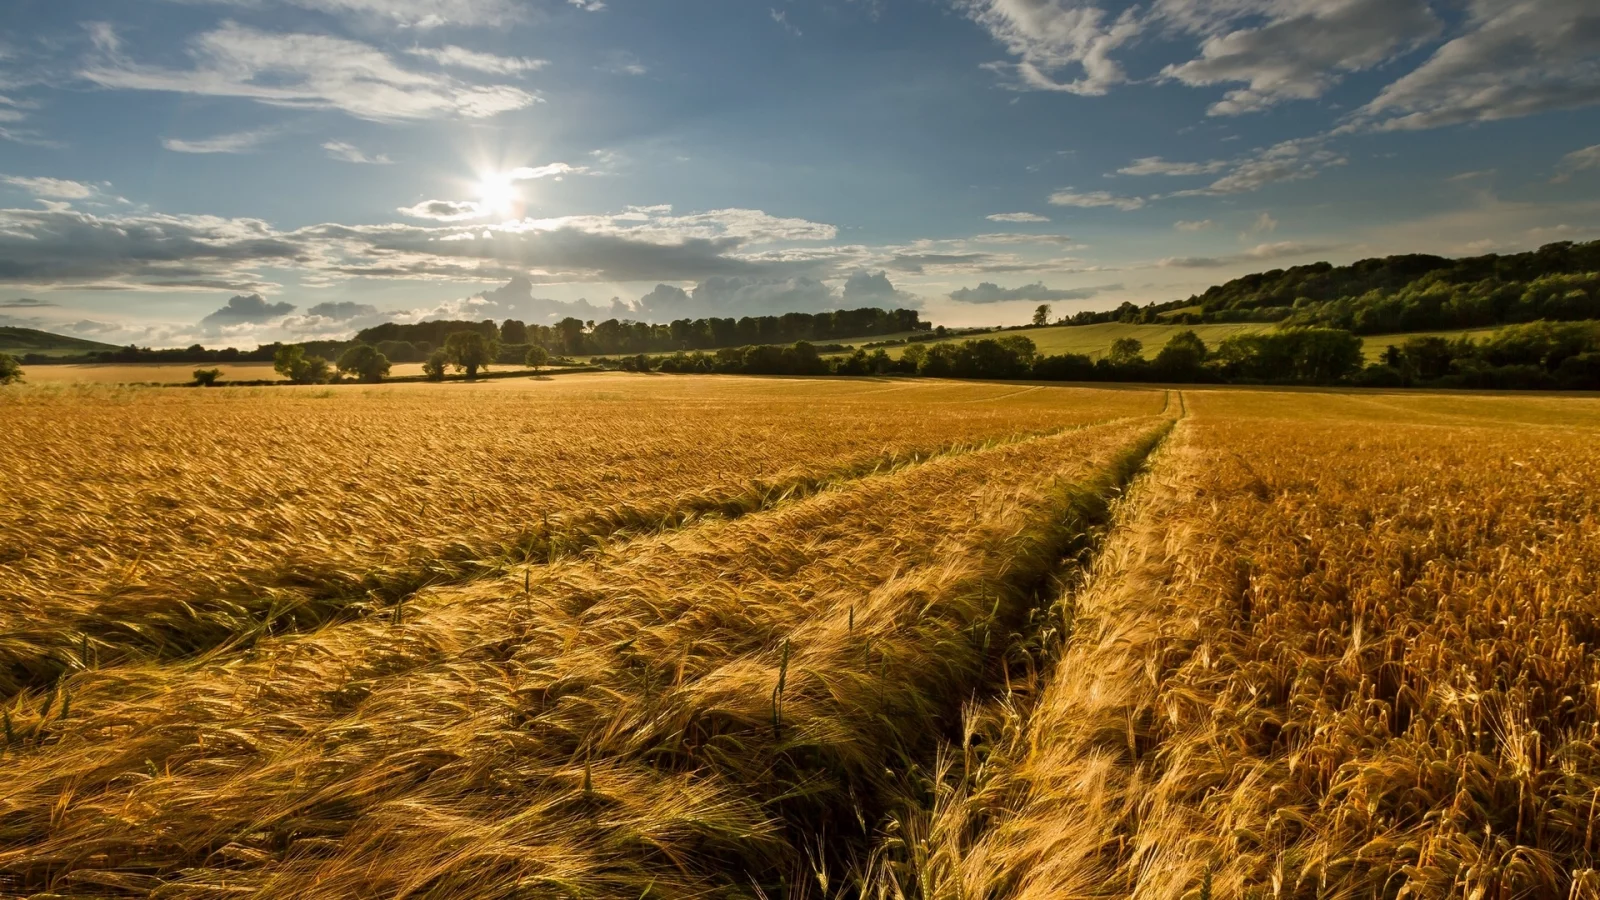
{"x": 1017, "y": 217}
{"x": 1302, "y": 49}
{"x": 1516, "y": 58}
{"x": 1093, "y": 199}
{"x": 238, "y": 142}
{"x": 1052, "y": 40}
{"x": 864, "y": 288}
{"x": 247, "y": 309}
{"x": 462, "y": 58}
{"x": 60, "y": 247}
{"x": 350, "y": 153}
{"x": 57, "y": 188}
{"x": 308, "y": 71}
{"x": 1577, "y": 161}
{"x": 1155, "y": 165}
{"x": 988, "y": 292}
{"x": 342, "y": 311}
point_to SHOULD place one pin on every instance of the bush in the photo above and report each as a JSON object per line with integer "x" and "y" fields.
{"x": 292, "y": 363}
{"x": 435, "y": 365}
{"x": 363, "y": 361}
{"x": 10, "y": 369}
{"x": 537, "y": 357}
{"x": 207, "y": 377}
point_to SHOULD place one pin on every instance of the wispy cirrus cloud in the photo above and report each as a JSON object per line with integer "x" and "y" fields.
{"x": 1096, "y": 199}
{"x": 461, "y": 58}
{"x": 350, "y": 153}
{"x": 309, "y": 71}
{"x": 238, "y": 142}
{"x": 1058, "y": 45}
{"x": 1017, "y": 217}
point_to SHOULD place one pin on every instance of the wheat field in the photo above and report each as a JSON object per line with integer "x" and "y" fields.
{"x": 678, "y": 637}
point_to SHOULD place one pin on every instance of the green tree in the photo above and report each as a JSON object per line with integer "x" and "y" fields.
{"x": 1041, "y": 315}
{"x": 207, "y": 377}
{"x": 1181, "y": 358}
{"x": 10, "y": 369}
{"x": 514, "y": 331}
{"x": 470, "y": 351}
{"x": 363, "y": 361}
{"x": 1126, "y": 351}
{"x": 433, "y": 367}
{"x": 538, "y": 357}
{"x": 292, "y": 363}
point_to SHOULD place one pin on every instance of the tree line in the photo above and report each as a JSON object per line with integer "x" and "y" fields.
{"x": 1538, "y": 355}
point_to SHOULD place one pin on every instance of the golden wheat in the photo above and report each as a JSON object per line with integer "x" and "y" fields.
{"x": 1344, "y": 647}
{"x": 170, "y": 522}
{"x": 658, "y": 719}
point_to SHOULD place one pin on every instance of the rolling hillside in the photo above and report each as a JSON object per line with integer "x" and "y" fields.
{"x": 19, "y": 341}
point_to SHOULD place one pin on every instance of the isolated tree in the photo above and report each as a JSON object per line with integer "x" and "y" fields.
{"x": 1041, "y": 315}
{"x": 433, "y": 367}
{"x": 1126, "y": 351}
{"x": 10, "y": 369}
{"x": 292, "y": 363}
{"x": 470, "y": 351}
{"x": 207, "y": 377}
{"x": 538, "y": 357}
{"x": 363, "y": 361}
{"x": 1181, "y": 358}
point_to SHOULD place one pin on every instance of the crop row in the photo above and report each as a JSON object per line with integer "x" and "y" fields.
{"x": 167, "y": 523}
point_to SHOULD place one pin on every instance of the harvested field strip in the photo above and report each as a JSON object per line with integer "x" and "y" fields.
{"x": 707, "y": 709}
{"x": 201, "y": 578}
{"x": 1330, "y": 659}
{"x": 132, "y": 626}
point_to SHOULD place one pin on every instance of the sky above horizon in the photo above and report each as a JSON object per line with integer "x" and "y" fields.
{"x": 231, "y": 172}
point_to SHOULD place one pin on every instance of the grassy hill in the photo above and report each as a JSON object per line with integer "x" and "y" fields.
{"x": 18, "y": 341}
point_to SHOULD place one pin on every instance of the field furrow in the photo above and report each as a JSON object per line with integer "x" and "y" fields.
{"x": 697, "y": 713}
{"x": 1336, "y": 653}
{"x": 167, "y": 524}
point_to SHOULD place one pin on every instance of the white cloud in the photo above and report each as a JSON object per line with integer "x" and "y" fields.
{"x": 1577, "y": 161}
{"x": 989, "y": 292}
{"x": 1516, "y": 58}
{"x": 1302, "y": 49}
{"x": 1155, "y": 165}
{"x": 1200, "y": 225}
{"x": 588, "y": 5}
{"x": 1264, "y": 224}
{"x": 350, "y": 153}
{"x": 1017, "y": 217}
{"x": 247, "y": 309}
{"x": 406, "y": 13}
{"x": 444, "y": 210}
{"x": 1093, "y": 199}
{"x": 1259, "y": 253}
{"x": 238, "y": 142}
{"x": 1049, "y": 37}
{"x": 549, "y": 170}
{"x": 782, "y": 18}
{"x": 310, "y": 71}
{"x": 58, "y": 188}
{"x": 462, "y": 58}
{"x": 1288, "y": 161}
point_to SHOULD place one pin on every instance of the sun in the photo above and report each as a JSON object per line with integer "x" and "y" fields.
{"x": 497, "y": 194}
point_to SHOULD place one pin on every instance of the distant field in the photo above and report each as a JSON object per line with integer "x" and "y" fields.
{"x": 681, "y": 638}
{"x": 1095, "y": 340}
{"x": 166, "y": 373}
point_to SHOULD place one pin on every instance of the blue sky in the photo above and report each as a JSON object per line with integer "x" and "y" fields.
{"x": 235, "y": 171}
